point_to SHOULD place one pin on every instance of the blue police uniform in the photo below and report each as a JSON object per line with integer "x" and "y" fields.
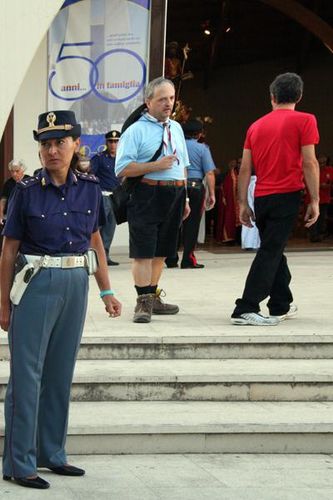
{"x": 46, "y": 326}
{"x": 201, "y": 162}
{"x": 103, "y": 165}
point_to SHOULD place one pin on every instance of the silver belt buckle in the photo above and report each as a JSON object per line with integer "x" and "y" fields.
{"x": 68, "y": 261}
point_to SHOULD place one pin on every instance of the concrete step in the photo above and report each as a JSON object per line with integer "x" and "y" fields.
{"x": 199, "y": 427}
{"x": 199, "y": 380}
{"x": 227, "y": 346}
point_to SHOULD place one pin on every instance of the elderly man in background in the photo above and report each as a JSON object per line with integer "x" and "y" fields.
{"x": 16, "y": 169}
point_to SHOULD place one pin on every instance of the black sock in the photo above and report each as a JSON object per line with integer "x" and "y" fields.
{"x": 153, "y": 288}
{"x": 143, "y": 290}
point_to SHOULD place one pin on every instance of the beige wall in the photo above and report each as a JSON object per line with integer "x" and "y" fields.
{"x": 29, "y": 103}
{"x": 23, "y": 24}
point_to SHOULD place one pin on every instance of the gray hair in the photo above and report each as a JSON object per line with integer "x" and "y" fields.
{"x": 16, "y": 164}
{"x": 150, "y": 88}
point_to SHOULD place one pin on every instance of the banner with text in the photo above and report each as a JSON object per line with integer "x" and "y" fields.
{"x": 97, "y": 55}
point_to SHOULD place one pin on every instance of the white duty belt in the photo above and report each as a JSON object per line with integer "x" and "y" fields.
{"x": 64, "y": 262}
{"x": 107, "y": 193}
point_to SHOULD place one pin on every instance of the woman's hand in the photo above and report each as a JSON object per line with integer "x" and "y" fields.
{"x": 5, "y": 316}
{"x": 112, "y": 306}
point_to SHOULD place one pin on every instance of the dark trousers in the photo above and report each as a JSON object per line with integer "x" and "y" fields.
{"x": 190, "y": 226}
{"x": 108, "y": 229}
{"x": 190, "y": 229}
{"x": 269, "y": 275}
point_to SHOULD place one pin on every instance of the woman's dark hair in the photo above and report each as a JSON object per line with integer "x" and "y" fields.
{"x": 75, "y": 163}
{"x": 287, "y": 88}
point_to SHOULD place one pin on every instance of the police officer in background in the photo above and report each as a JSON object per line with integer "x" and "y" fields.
{"x": 201, "y": 168}
{"x": 52, "y": 220}
{"x": 102, "y": 165}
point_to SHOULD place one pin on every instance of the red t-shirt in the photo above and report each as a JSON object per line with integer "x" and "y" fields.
{"x": 275, "y": 141}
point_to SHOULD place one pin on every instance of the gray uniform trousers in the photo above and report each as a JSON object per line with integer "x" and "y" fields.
{"x": 44, "y": 337}
{"x": 108, "y": 229}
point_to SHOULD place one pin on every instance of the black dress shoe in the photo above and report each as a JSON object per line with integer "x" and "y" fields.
{"x": 192, "y": 266}
{"x": 172, "y": 265}
{"x": 67, "y": 470}
{"x": 112, "y": 263}
{"x": 36, "y": 482}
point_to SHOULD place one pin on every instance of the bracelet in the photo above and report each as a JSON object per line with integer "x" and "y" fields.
{"x": 102, "y": 293}
{"x": 187, "y": 200}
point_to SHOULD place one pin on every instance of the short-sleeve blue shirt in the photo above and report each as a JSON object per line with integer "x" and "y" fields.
{"x": 102, "y": 165}
{"x": 201, "y": 160}
{"x": 50, "y": 219}
{"x": 142, "y": 139}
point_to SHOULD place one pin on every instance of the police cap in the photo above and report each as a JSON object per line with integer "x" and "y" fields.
{"x": 112, "y": 135}
{"x": 192, "y": 127}
{"x": 57, "y": 124}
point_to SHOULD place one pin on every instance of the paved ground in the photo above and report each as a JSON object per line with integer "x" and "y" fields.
{"x": 189, "y": 477}
{"x": 206, "y": 299}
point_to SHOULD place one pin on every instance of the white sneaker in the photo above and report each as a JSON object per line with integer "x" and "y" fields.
{"x": 290, "y": 314}
{"x": 255, "y": 319}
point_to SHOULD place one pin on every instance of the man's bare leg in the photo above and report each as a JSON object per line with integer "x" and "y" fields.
{"x": 142, "y": 272}
{"x": 157, "y": 268}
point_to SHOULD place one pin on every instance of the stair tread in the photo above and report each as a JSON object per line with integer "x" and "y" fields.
{"x": 116, "y": 337}
{"x": 198, "y": 417}
{"x": 198, "y": 370}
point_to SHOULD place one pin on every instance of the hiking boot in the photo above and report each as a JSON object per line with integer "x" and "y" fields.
{"x": 255, "y": 319}
{"x": 160, "y": 307}
{"x": 143, "y": 308}
{"x": 288, "y": 315}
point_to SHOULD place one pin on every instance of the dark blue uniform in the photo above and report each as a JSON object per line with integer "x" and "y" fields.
{"x": 103, "y": 165}
{"x": 46, "y": 326}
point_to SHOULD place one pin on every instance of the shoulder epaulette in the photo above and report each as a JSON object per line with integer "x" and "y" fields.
{"x": 26, "y": 183}
{"x": 85, "y": 176}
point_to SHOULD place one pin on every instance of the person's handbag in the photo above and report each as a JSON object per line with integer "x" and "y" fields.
{"x": 122, "y": 193}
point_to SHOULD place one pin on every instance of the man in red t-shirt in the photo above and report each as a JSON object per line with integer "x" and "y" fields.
{"x": 281, "y": 148}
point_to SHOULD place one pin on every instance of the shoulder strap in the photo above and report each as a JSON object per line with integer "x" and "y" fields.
{"x": 157, "y": 152}
{"x": 133, "y": 117}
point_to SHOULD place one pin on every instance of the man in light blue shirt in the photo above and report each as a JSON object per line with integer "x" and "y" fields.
{"x": 158, "y": 201}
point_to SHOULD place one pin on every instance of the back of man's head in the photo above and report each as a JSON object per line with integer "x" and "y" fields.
{"x": 287, "y": 88}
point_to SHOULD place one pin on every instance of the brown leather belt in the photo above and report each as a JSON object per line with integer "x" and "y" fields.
{"x": 152, "y": 182}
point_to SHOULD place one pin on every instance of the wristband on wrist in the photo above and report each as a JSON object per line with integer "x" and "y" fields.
{"x": 187, "y": 200}
{"x": 102, "y": 293}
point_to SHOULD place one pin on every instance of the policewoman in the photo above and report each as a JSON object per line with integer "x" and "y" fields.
{"x": 52, "y": 221}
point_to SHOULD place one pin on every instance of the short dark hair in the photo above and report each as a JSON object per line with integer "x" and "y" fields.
{"x": 287, "y": 88}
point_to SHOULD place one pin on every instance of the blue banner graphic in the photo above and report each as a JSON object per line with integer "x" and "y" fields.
{"x": 98, "y": 52}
